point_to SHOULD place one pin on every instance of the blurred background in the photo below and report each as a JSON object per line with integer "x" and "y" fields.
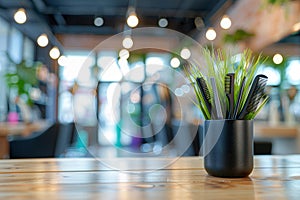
{"x": 80, "y": 62}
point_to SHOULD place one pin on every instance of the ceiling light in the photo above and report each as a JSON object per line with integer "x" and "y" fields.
{"x": 199, "y": 23}
{"x": 54, "y": 53}
{"x": 62, "y": 61}
{"x": 98, "y": 21}
{"x": 211, "y": 34}
{"x": 296, "y": 27}
{"x": 225, "y": 23}
{"x": 20, "y": 16}
{"x": 163, "y": 22}
{"x": 43, "y": 40}
{"x": 127, "y": 42}
{"x": 185, "y": 53}
{"x": 277, "y": 58}
{"x": 132, "y": 20}
{"x": 124, "y": 54}
{"x": 175, "y": 62}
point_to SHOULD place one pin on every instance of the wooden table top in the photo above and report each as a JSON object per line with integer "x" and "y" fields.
{"x": 274, "y": 177}
{"x": 265, "y": 130}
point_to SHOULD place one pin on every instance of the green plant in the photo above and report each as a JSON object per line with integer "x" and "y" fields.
{"x": 237, "y": 36}
{"x": 218, "y": 64}
{"x": 278, "y": 2}
{"x": 21, "y": 78}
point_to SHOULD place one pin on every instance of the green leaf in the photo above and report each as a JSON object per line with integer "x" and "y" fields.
{"x": 237, "y": 36}
{"x": 23, "y": 77}
{"x": 218, "y": 63}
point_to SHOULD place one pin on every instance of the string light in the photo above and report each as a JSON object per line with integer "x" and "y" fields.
{"x": 98, "y": 21}
{"x": 225, "y": 23}
{"x": 175, "y": 62}
{"x": 127, "y": 42}
{"x": 185, "y": 53}
{"x": 277, "y": 58}
{"x": 124, "y": 54}
{"x": 54, "y": 53}
{"x": 62, "y": 60}
{"x": 163, "y": 22}
{"x": 296, "y": 27}
{"x": 132, "y": 20}
{"x": 20, "y": 16}
{"x": 211, "y": 34}
{"x": 42, "y": 40}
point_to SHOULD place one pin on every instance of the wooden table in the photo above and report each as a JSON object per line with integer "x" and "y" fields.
{"x": 265, "y": 130}
{"x": 285, "y": 138}
{"x": 20, "y": 128}
{"x": 274, "y": 177}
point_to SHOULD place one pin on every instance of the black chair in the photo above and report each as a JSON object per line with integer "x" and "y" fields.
{"x": 262, "y": 148}
{"x": 66, "y": 138}
{"x": 52, "y": 142}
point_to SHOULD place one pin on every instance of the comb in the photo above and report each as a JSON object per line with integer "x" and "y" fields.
{"x": 204, "y": 92}
{"x": 216, "y": 98}
{"x": 229, "y": 91}
{"x": 254, "y": 96}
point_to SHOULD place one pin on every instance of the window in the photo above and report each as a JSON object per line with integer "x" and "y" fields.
{"x": 272, "y": 74}
{"x": 3, "y": 64}
{"x": 156, "y": 62}
{"x": 292, "y": 72}
{"x": 3, "y": 34}
{"x": 15, "y": 45}
{"x": 28, "y": 50}
{"x": 110, "y": 70}
{"x": 73, "y": 99}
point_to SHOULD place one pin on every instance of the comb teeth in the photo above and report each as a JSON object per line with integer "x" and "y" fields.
{"x": 229, "y": 90}
{"x": 205, "y": 89}
{"x": 205, "y": 92}
{"x": 228, "y": 80}
{"x": 255, "y": 95}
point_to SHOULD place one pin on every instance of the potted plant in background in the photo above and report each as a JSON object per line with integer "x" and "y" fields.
{"x": 229, "y": 94}
{"x": 21, "y": 78}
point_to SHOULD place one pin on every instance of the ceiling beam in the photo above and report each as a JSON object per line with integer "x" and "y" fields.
{"x": 221, "y": 8}
{"x": 292, "y": 39}
{"x": 286, "y": 49}
{"x": 59, "y": 18}
{"x": 121, "y": 11}
{"x": 85, "y": 30}
{"x": 39, "y": 5}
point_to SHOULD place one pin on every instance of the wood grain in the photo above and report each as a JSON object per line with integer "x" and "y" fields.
{"x": 274, "y": 177}
{"x": 276, "y": 131}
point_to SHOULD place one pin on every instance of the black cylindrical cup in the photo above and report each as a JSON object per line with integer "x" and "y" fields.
{"x": 228, "y": 147}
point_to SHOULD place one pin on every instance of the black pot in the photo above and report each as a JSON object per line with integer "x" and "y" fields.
{"x": 228, "y": 147}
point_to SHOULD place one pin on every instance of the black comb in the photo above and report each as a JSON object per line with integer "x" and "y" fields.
{"x": 229, "y": 90}
{"x": 254, "y": 96}
{"x": 205, "y": 92}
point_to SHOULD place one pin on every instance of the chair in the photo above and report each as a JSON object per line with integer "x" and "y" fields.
{"x": 66, "y": 137}
{"x": 50, "y": 143}
{"x": 262, "y": 148}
